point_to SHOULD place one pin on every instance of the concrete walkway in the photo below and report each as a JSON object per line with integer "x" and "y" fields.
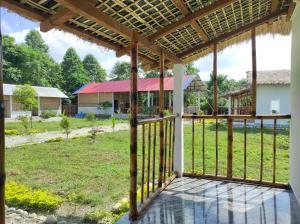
{"x": 12, "y": 141}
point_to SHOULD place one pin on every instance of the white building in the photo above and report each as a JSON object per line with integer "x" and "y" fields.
{"x": 48, "y": 99}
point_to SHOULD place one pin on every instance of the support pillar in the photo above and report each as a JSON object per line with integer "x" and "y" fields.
{"x": 254, "y": 70}
{"x": 133, "y": 213}
{"x": 229, "y": 105}
{"x": 295, "y": 104}
{"x": 178, "y": 107}
{"x": 2, "y": 140}
{"x": 215, "y": 80}
{"x": 148, "y": 99}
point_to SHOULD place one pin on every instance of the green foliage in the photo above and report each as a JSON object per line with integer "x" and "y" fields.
{"x": 93, "y": 69}
{"x": 191, "y": 69}
{"x": 11, "y": 132}
{"x": 18, "y": 195}
{"x": 90, "y": 116}
{"x": 120, "y": 71}
{"x": 104, "y": 105}
{"x": 48, "y": 114}
{"x": 73, "y": 71}
{"x": 166, "y": 113}
{"x": 33, "y": 131}
{"x": 34, "y": 40}
{"x": 58, "y": 139}
{"x": 26, "y": 96}
{"x": 65, "y": 125}
{"x": 191, "y": 99}
{"x": 24, "y": 122}
{"x": 113, "y": 122}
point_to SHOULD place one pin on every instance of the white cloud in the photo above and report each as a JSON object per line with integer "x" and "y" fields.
{"x": 59, "y": 42}
{"x": 6, "y": 28}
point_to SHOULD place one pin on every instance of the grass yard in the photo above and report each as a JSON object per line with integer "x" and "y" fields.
{"x": 98, "y": 173}
{"x": 76, "y": 123}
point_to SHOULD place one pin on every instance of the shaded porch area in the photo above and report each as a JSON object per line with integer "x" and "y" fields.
{"x": 195, "y": 200}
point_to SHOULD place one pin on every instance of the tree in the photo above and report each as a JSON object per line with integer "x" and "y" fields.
{"x": 191, "y": 69}
{"x": 26, "y": 96}
{"x": 73, "y": 72}
{"x": 156, "y": 73}
{"x": 120, "y": 71}
{"x": 65, "y": 124}
{"x": 34, "y": 40}
{"x": 93, "y": 69}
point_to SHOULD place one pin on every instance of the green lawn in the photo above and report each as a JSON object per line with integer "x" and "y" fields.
{"x": 98, "y": 173}
{"x": 43, "y": 126}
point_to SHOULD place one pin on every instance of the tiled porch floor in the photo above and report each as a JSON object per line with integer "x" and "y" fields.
{"x": 191, "y": 200}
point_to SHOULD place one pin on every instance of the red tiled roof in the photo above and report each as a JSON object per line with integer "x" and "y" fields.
{"x": 144, "y": 85}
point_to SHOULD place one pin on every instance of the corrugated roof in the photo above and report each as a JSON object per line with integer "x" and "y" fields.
{"x": 8, "y": 90}
{"x": 144, "y": 85}
{"x": 271, "y": 77}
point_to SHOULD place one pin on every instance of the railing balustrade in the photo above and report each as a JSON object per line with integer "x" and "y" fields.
{"x": 258, "y": 146}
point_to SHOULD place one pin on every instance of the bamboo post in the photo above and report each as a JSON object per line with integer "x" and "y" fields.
{"x": 2, "y": 140}
{"x": 261, "y": 149}
{"x": 203, "y": 147}
{"x": 215, "y": 80}
{"x": 165, "y": 149}
{"x": 193, "y": 145}
{"x": 143, "y": 164}
{"x": 217, "y": 147}
{"x": 274, "y": 150}
{"x": 149, "y": 159}
{"x": 133, "y": 213}
{"x": 170, "y": 147}
{"x": 154, "y": 145}
{"x": 245, "y": 149}
{"x": 229, "y": 148}
{"x": 254, "y": 71}
{"x": 161, "y": 113}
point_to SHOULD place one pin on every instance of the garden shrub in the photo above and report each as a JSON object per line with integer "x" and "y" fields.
{"x": 90, "y": 116}
{"x": 65, "y": 124}
{"x": 33, "y": 131}
{"x": 18, "y": 195}
{"x": 11, "y": 132}
{"x": 48, "y": 114}
{"x": 25, "y": 122}
{"x": 58, "y": 139}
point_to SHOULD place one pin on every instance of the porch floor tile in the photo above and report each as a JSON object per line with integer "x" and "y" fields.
{"x": 191, "y": 200}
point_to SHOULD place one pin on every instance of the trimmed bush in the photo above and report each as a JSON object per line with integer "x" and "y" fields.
{"x": 48, "y": 114}
{"x": 90, "y": 116}
{"x": 21, "y": 196}
{"x": 11, "y": 132}
{"x": 58, "y": 139}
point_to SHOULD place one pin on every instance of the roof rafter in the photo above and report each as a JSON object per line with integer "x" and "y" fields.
{"x": 57, "y": 19}
{"x": 88, "y": 10}
{"x": 185, "y": 11}
{"x": 274, "y": 5}
{"x": 233, "y": 33}
{"x": 190, "y": 17}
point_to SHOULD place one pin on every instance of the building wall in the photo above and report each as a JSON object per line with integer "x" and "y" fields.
{"x": 50, "y": 103}
{"x": 295, "y": 105}
{"x": 89, "y": 103}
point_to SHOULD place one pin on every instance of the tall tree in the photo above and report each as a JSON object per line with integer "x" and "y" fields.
{"x": 93, "y": 69}
{"x": 120, "y": 71}
{"x": 34, "y": 40}
{"x": 73, "y": 72}
{"x": 191, "y": 69}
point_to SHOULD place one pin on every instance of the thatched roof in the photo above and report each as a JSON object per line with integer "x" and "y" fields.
{"x": 184, "y": 29}
{"x": 271, "y": 77}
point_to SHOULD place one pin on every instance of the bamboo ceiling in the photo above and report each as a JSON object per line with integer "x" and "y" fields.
{"x": 184, "y": 29}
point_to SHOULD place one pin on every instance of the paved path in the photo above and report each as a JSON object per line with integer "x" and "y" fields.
{"x": 12, "y": 141}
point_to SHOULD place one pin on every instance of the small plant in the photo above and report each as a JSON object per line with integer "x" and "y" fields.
{"x": 113, "y": 122}
{"x": 65, "y": 125}
{"x": 18, "y": 195}
{"x": 11, "y": 132}
{"x": 58, "y": 139}
{"x": 166, "y": 113}
{"x": 25, "y": 122}
{"x": 93, "y": 134}
{"x": 48, "y": 114}
{"x": 33, "y": 131}
{"x": 90, "y": 116}
{"x": 104, "y": 105}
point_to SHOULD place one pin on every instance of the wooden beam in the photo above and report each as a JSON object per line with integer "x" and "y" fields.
{"x": 254, "y": 71}
{"x": 215, "y": 62}
{"x": 225, "y": 36}
{"x": 161, "y": 124}
{"x": 133, "y": 212}
{"x": 190, "y": 17}
{"x": 185, "y": 11}
{"x": 274, "y": 5}
{"x": 57, "y": 19}
{"x": 89, "y": 11}
{"x": 2, "y": 140}
{"x": 290, "y": 11}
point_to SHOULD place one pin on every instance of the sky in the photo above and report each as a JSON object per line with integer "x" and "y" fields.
{"x": 273, "y": 52}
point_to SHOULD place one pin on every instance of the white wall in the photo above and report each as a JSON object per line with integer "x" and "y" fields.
{"x": 295, "y": 105}
{"x": 268, "y": 93}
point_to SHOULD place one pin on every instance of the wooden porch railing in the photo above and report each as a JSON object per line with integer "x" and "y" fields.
{"x": 155, "y": 163}
{"x": 200, "y": 169}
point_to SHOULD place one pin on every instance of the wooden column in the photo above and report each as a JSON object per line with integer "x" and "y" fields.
{"x": 229, "y": 148}
{"x": 2, "y": 141}
{"x": 254, "y": 71}
{"x": 133, "y": 213}
{"x": 215, "y": 80}
{"x": 161, "y": 114}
